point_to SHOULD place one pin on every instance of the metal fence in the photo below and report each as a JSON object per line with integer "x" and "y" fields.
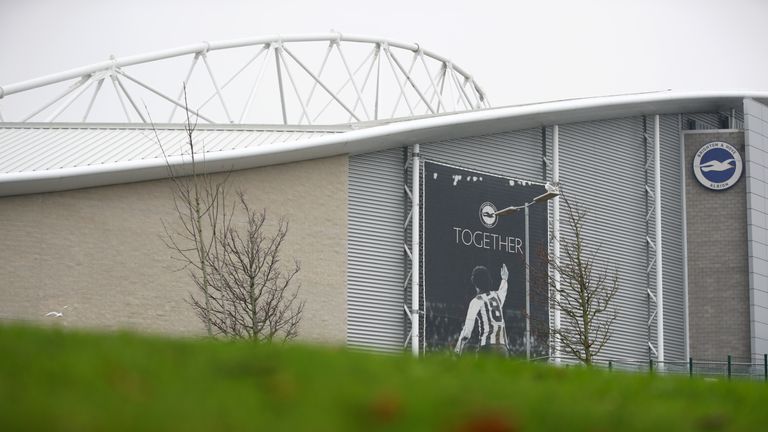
{"x": 730, "y": 368}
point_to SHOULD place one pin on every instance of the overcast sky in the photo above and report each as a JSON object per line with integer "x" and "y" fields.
{"x": 518, "y": 51}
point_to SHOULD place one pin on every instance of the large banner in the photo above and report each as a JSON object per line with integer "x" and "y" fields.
{"x": 474, "y": 262}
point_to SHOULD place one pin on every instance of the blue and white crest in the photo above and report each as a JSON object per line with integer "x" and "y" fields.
{"x": 717, "y": 165}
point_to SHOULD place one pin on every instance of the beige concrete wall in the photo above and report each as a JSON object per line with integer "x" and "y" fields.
{"x": 99, "y": 251}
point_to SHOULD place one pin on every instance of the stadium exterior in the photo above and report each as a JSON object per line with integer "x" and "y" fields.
{"x": 82, "y": 202}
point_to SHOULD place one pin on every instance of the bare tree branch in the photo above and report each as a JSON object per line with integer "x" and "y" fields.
{"x": 585, "y": 294}
{"x": 242, "y": 288}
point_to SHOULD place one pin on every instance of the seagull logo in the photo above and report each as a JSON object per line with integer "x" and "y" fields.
{"x": 488, "y": 214}
{"x": 715, "y": 165}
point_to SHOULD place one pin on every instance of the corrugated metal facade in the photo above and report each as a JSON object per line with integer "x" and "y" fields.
{"x": 672, "y": 170}
{"x": 375, "y": 297}
{"x": 597, "y": 158}
{"x": 515, "y": 154}
{"x": 601, "y": 168}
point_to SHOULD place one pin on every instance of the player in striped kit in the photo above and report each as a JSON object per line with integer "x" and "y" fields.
{"x": 487, "y": 310}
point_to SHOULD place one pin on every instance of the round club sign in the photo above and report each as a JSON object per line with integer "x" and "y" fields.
{"x": 717, "y": 165}
{"x": 488, "y": 214}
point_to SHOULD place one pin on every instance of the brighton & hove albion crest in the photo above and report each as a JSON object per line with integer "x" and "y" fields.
{"x": 488, "y": 214}
{"x": 717, "y": 165}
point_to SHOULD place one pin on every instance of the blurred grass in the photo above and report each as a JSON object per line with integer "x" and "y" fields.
{"x": 72, "y": 381}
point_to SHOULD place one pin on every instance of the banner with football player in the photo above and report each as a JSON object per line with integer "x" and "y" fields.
{"x": 474, "y": 262}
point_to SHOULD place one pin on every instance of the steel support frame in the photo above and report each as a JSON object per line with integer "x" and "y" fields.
{"x": 233, "y": 76}
{"x": 412, "y": 250}
{"x": 343, "y": 86}
{"x": 162, "y": 95}
{"x": 371, "y": 109}
{"x": 653, "y": 238}
{"x": 556, "y": 239}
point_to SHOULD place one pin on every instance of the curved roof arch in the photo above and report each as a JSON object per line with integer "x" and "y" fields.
{"x": 309, "y": 79}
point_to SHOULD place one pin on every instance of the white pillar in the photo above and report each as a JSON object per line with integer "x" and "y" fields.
{"x": 659, "y": 268}
{"x": 556, "y": 232}
{"x": 527, "y": 286}
{"x": 415, "y": 242}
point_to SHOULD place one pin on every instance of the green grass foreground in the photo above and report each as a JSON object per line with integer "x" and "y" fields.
{"x": 68, "y": 381}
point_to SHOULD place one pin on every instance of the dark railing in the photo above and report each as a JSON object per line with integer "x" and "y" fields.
{"x": 730, "y": 368}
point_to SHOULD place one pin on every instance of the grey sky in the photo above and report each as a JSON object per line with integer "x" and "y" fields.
{"x": 518, "y": 51}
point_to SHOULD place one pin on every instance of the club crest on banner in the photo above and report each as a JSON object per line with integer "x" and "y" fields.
{"x": 717, "y": 165}
{"x": 488, "y": 214}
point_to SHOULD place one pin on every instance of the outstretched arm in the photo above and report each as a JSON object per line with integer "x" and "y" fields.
{"x": 469, "y": 325}
{"x": 503, "y": 284}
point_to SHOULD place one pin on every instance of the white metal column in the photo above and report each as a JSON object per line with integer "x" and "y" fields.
{"x": 556, "y": 234}
{"x": 686, "y": 319}
{"x": 415, "y": 243}
{"x": 527, "y": 286}
{"x": 659, "y": 273}
{"x": 655, "y": 297}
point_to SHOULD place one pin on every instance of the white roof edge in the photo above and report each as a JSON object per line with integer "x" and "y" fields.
{"x": 390, "y": 135}
{"x": 248, "y": 127}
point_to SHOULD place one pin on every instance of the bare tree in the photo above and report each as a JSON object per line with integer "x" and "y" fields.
{"x": 197, "y": 199}
{"x": 243, "y": 291}
{"x": 585, "y": 293}
{"x": 251, "y": 292}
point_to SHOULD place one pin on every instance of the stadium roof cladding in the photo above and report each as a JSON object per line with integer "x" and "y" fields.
{"x": 46, "y": 147}
{"x": 48, "y": 156}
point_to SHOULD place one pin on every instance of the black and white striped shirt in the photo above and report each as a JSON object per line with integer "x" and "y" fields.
{"x": 486, "y": 311}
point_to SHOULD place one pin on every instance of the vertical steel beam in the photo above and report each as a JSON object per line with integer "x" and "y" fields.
{"x": 650, "y": 247}
{"x": 93, "y": 99}
{"x": 319, "y": 82}
{"x": 296, "y": 90}
{"x": 120, "y": 97}
{"x": 434, "y": 93}
{"x": 527, "y": 287}
{"x": 256, "y": 82}
{"x": 130, "y": 99}
{"x": 556, "y": 234}
{"x": 432, "y": 83}
{"x": 233, "y": 76}
{"x": 415, "y": 245}
{"x": 280, "y": 83}
{"x": 319, "y": 73}
{"x": 216, "y": 86}
{"x": 184, "y": 85}
{"x": 352, "y": 79}
{"x": 684, "y": 222}
{"x": 378, "y": 81}
{"x": 400, "y": 84}
{"x": 410, "y": 80}
{"x": 659, "y": 269}
{"x": 343, "y": 86}
{"x": 460, "y": 90}
{"x": 365, "y": 81}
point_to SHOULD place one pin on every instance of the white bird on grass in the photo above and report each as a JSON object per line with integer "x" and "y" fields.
{"x": 55, "y": 313}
